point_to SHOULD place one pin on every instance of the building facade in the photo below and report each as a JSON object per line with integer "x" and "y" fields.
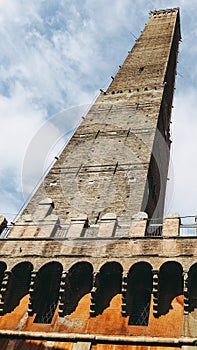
{"x": 91, "y": 263}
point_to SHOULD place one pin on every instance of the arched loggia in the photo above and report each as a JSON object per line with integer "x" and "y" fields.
{"x": 17, "y": 286}
{"x": 170, "y": 285}
{"x": 2, "y": 270}
{"x": 108, "y": 284}
{"x": 46, "y": 292}
{"x": 77, "y": 284}
{"x": 192, "y": 287}
{"x": 138, "y": 295}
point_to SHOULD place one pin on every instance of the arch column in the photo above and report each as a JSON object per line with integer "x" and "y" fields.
{"x": 155, "y": 292}
{"x": 186, "y": 304}
{"x": 31, "y": 292}
{"x": 93, "y": 294}
{"x": 124, "y": 292}
{"x": 4, "y": 289}
{"x": 62, "y": 293}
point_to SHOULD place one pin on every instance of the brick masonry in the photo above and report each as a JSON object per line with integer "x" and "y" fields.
{"x": 87, "y": 223}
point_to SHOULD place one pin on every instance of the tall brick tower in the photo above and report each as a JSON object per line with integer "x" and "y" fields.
{"x": 117, "y": 160}
{"x": 90, "y": 263}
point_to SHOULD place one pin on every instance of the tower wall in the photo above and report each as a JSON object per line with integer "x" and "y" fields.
{"x": 78, "y": 270}
{"x": 117, "y": 160}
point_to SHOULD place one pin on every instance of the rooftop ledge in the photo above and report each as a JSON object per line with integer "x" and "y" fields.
{"x": 109, "y": 227}
{"x": 59, "y": 239}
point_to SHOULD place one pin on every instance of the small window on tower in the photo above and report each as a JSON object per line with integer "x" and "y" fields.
{"x": 141, "y": 69}
{"x": 132, "y": 179}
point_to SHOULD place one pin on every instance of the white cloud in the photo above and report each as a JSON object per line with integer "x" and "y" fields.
{"x": 19, "y": 120}
{"x": 184, "y": 153}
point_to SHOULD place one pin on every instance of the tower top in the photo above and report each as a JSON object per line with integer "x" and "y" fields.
{"x": 164, "y": 12}
{"x": 113, "y": 163}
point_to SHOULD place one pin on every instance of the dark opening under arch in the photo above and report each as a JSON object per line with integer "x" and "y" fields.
{"x": 2, "y": 270}
{"x": 46, "y": 292}
{"x": 108, "y": 284}
{"x": 77, "y": 284}
{"x": 18, "y": 285}
{"x": 170, "y": 285}
{"x": 138, "y": 295}
{"x": 192, "y": 287}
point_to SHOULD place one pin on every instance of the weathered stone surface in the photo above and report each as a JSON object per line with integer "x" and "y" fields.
{"x": 123, "y": 139}
{"x": 171, "y": 225}
{"x": 114, "y": 167}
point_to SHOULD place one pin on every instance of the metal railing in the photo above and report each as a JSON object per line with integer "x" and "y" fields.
{"x": 154, "y": 228}
{"x": 187, "y": 230}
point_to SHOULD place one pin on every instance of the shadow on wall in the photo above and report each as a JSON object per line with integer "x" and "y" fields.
{"x": 51, "y": 289}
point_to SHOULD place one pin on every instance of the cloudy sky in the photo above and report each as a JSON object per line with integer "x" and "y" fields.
{"x": 55, "y": 55}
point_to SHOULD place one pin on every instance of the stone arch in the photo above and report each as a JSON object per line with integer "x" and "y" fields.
{"x": 108, "y": 284}
{"x": 138, "y": 294}
{"x": 17, "y": 286}
{"x": 170, "y": 285}
{"x": 78, "y": 283}
{"x": 192, "y": 287}
{"x": 3, "y": 267}
{"x": 45, "y": 296}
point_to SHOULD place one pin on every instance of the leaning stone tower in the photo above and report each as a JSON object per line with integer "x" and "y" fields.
{"x": 91, "y": 263}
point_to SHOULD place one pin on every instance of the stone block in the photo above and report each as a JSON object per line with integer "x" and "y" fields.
{"x": 107, "y": 225}
{"x": 171, "y": 225}
{"x": 76, "y": 226}
{"x": 138, "y": 225}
